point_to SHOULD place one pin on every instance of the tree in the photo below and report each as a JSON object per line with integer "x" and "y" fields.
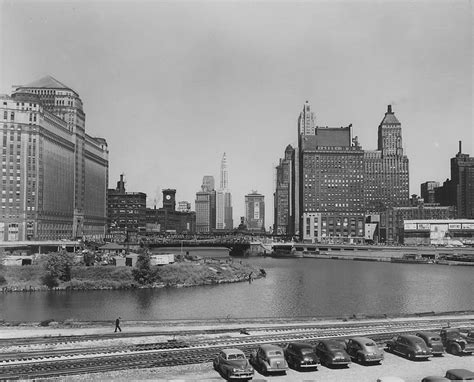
{"x": 59, "y": 265}
{"x": 142, "y": 273}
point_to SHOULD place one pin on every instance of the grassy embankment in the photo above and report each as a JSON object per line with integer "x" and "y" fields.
{"x": 110, "y": 277}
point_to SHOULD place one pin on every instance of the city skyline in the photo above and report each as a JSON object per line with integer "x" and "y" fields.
{"x": 195, "y": 80}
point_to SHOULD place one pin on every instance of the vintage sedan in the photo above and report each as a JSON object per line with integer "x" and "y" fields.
{"x": 409, "y": 346}
{"x": 433, "y": 341}
{"x": 232, "y": 364}
{"x": 269, "y": 359}
{"x": 301, "y": 355}
{"x": 460, "y": 375}
{"x": 332, "y": 353}
{"x": 364, "y": 350}
{"x": 435, "y": 378}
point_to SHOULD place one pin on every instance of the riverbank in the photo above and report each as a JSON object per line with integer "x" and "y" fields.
{"x": 182, "y": 274}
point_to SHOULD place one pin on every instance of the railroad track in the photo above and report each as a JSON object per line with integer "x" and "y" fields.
{"x": 49, "y": 363}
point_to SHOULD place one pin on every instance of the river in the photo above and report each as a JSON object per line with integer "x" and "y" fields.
{"x": 292, "y": 288}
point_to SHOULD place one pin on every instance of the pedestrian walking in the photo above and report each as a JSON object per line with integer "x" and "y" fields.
{"x": 117, "y": 324}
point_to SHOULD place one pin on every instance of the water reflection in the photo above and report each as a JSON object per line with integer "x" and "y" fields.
{"x": 292, "y": 288}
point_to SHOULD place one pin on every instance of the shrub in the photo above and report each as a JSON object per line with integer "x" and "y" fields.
{"x": 3, "y": 280}
{"x": 46, "y": 322}
{"x": 59, "y": 264}
{"x": 50, "y": 280}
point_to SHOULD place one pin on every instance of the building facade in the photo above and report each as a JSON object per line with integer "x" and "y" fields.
{"x": 205, "y": 206}
{"x": 330, "y": 182}
{"x": 394, "y": 218}
{"x": 459, "y": 190}
{"x": 184, "y": 206}
{"x": 126, "y": 211}
{"x": 54, "y": 175}
{"x": 427, "y": 191}
{"x": 255, "y": 212}
{"x": 439, "y": 232}
{"x": 284, "y": 196}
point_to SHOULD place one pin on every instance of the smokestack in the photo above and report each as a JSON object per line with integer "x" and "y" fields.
{"x": 460, "y": 147}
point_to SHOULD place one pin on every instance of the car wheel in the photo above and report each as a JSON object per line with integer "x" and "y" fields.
{"x": 454, "y": 350}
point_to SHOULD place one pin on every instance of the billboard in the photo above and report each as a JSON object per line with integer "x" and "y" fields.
{"x": 423, "y": 226}
{"x": 454, "y": 225}
{"x": 408, "y": 226}
{"x": 467, "y": 225}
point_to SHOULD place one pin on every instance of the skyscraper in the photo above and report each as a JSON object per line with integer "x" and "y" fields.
{"x": 205, "y": 204}
{"x": 55, "y": 176}
{"x": 224, "y": 219}
{"x": 284, "y": 197}
{"x": 459, "y": 191}
{"x": 335, "y": 184}
{"x": 386, "y": 169}
{"x": 255, "y": 212}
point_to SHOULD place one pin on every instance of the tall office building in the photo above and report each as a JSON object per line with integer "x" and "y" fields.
{"x": 255, "y": 212}
{"x": 54, "y": 175}
{"x": 205, "y": 204}
{"x": 284, "y": 196}
{"x": 459, "y": 191}
{"x": 386, "y": 169}
{"x": 224, "y": 219}
{"x": 336, "y": 183}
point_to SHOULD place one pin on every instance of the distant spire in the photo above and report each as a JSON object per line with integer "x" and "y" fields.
{"x": 224, "y": 175}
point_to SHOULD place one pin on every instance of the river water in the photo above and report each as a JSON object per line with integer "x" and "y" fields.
{"x": 292, "y": 288}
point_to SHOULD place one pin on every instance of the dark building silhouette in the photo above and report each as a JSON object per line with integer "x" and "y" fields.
{"x": 205, "y": 204}
{"x": 255, "y": 212}
{"x": 427, "y": 191}
{"x": 125, "y": 210}
{"x": 459, "y": 190}
{"x": 284, "y": 196}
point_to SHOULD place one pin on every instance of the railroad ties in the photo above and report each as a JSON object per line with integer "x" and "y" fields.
{"x": 28, "y": 364}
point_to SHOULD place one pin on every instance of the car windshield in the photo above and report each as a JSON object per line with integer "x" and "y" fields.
{"x": 370, "y": 344}
{"x": 275, "y": 352}
{"x": 307, "y": 351}
{"x": 435, "y": 339}
{"x": 235, "y": 356}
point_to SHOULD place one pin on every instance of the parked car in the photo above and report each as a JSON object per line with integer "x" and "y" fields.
{"x": 433, "y": 341}
{"x": 460, "y": 375}
{"x": 331, "y": 352}
{"x": 301, "y": 355}
{"x": 364, "y": 350}
{"x": 232, "y": 364}
{"x": 409, "y": 346}
{"x": 269, "y": 359}
{"x": 455, "y": 343}
{"x": 435, "y": 378}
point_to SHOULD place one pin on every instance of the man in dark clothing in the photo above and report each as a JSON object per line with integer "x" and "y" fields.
{"x": 117, "y": 324}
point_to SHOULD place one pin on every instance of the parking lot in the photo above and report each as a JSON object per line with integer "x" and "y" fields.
{"x": 393, "y": 365}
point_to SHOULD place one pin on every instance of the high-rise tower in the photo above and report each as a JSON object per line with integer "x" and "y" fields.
{"x": 224, "y": 219}
{"x": 62, "y": 186}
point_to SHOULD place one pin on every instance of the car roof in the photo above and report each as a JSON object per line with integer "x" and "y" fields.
{"x": 301, "y": 344}
{"x": 362, "y": 340}
{"x": 270, "y": 347}
{"x": 232, "y": 351}
{"x": 463, "y": 373}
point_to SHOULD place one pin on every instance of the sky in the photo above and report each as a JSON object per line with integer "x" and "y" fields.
{"x": 173, "y": 85}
